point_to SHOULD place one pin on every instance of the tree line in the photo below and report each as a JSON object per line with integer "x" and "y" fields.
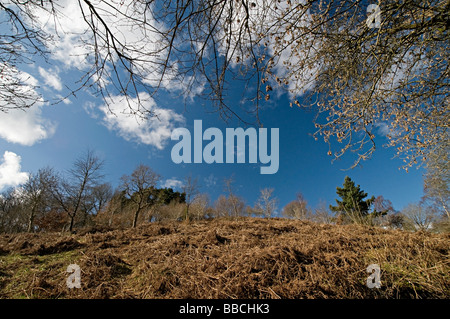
{"x": 81, "y": 199}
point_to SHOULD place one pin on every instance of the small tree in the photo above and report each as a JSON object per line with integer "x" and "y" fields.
{"x": 352, "y": 206}
{"x": 115, "y": 210}
{"x": 101, "y": 195}
{"x": 382, "y": 210}
{"x": 136, "y": 188}
{"x": 72, "y": 194}
{"x": 37, "y": 195}
{"x": 200, "y": 205}
{"x": 231, "y": 206}
{"x": 190, "y": 189}
{"x": 296, "y": 209}
{"x": 396, "y": 220}
{"x": 12, "y": 218}
{"x": 419, "y": 217}
{"x": 165, "y": 203}
{"x": 322, "y": 213}
{"x": 266, "y": 205}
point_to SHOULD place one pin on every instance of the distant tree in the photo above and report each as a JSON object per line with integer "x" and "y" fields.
{"x": 352, "y": 206}
{"x": 250, "y": 211}
{"x": 322, "y": 213}
{"x": 266, "y": 204}
{"x": 137, "y": 187}
{"x": 37, "y": 194}
{"x": 114, "y": 213}
{"x": 72, "y": 194}
{"x": 380, "y": 204}
{"x": 230, "y": 206}
{"x": 419, "y": 216}
{"x": 396, "y": 220}
{"x": 165, "y": 196}
{"x": 190, "y": 189}
{"x": 95, "y": 200}
{"x": 297, "y": 209}
{"x": 101, "y": 195}
{"x": 54, "y": 220}
{"x": 381, "y": 208}
{"x": 12, "y": 217}
{"x": 200, "y": 205}
{"x": 161, "y": 199}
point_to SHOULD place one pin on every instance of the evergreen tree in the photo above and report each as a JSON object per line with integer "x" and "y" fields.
{"x": 352, "y": 206}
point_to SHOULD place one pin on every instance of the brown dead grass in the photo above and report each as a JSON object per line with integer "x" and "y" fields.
{"x": 246, "y": 258}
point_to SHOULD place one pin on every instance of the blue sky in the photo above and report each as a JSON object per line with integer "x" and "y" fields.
{"x": 304, "y": 165}
{"x": 56, "y": 134}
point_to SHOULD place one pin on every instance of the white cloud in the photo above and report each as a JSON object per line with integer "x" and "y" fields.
{"x": 122, "y": 115}
{"x": 75, "y": 46}
{"x": 188, "y": 85}
{"x": 386, "y": 130}
{"x": 51, "y": 78}
{"x": 10, "y": 174}
{"x": 69, "y": 31}
{"x": 73, "y": 36}
{"x": 24, "y": 126}
{"x": 383, "y": 128}
{"x": 172, "y": 183}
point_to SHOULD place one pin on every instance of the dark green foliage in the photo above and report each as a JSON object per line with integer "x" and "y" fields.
{"x": 165, "y": 196}
{"x": 155, "y": 196}
{"x": 352, "y": 203}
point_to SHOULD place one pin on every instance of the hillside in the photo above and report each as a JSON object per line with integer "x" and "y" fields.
{"x": 245, "y": 258}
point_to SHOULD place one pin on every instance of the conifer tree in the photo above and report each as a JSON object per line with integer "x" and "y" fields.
{"x": 352, "y": 205}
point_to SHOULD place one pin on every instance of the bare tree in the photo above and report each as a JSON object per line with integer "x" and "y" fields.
{"x": 382, "y": 209}
{"x": 83, "y": 177}
{"x": 137, "y": 186}
{"x": 420, "y": 217}
{"x": 95, "y": 201}
{"x": 12, "y": 217}
{"x": 101, "y": 195}
{"x": 230, "y": 207}
{"x": 37, "y": 194}
{"x": 190, "y": 189}
{"x": 116, "y": 211}
{"x": 266, "y": 204}
{"x": 200, "y": 206}
{"x": 297, "y": 209}
{"x": 233, "y": 205}
{"x": 322, "y": 213}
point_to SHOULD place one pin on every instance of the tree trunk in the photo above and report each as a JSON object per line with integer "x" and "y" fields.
{"x": 31, "y": 218}
{"x": 72, "y": 217}
{"x": 187, "y": 213}
{"x": 30, "y": 222}
{"x": 136, "y": 215}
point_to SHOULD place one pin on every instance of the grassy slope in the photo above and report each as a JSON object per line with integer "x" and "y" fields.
{"x": 247, "y": 258}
